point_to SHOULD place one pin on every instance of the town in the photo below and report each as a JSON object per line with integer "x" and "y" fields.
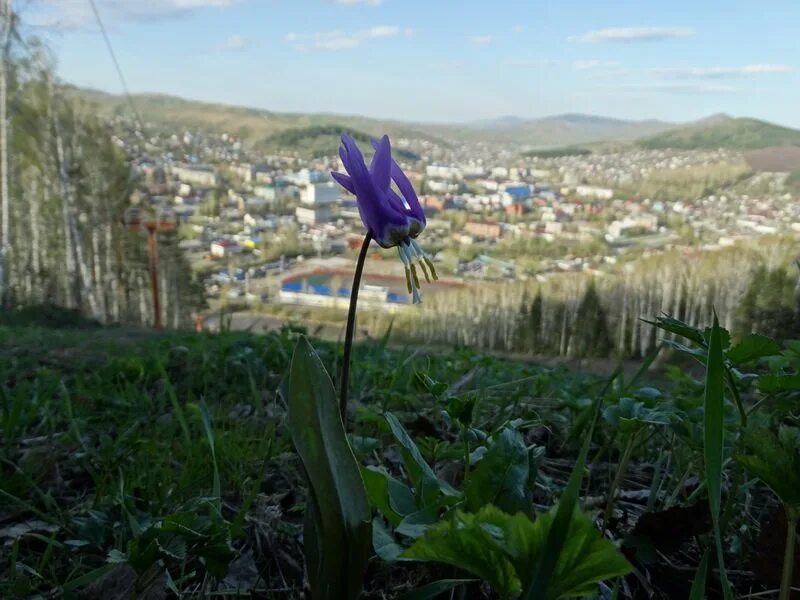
{"x": 271, "y": 230}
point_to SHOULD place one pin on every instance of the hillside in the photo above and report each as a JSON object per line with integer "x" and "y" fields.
{"x": 721, "y": 132}
{"x": 253, "y": 125}
{"x": 554, "y": 131}
{"x": 256, "y": 126}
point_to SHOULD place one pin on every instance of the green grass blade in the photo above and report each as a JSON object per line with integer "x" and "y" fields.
{"x": 176, "y": 406}
{"x": 714, "y": 440}
{"x": 698, "y": 591}
{"x": 536, "y": 587}
{"x": 205, "y": 417}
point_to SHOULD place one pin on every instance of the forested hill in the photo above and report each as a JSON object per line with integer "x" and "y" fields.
{"x": 733, "y": 134}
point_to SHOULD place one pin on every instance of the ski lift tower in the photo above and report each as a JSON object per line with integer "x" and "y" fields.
{"x": 164, "y": 222}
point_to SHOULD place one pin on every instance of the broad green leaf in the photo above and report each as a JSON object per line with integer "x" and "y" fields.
{"x": 376, "y": 484}
{"x": 501, "y": 476}
{"x": 775, "y": 460}
{"x": 435, "y": 589}
{"x": 427, "y": 484}
{"x": 585, "y": 560}
{"x": 629, "y": 415}
{"x": 486, "y": 543}
{"x": 339, "y": 519}
{"x": 753, "y": 347}
{"x": 416, "y": 524}
{"x": 714, "y": 440}
{"x": 772, "y": 384}
{"x": 383, "y": 543}
{"x": 470, "y": 542}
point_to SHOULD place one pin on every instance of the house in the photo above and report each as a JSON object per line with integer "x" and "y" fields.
{"x": 223, "y": 248}
{"x": 516, "y": 209}
{"x": 590, "y": 191}
{"x": 312, "y": 216}
{"x": 319, "y": 194}
{"x": 484, "y": 229}
{"x": 203, "y": 175}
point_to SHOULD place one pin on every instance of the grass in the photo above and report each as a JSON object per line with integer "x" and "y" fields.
{"x": 163, "y": 459}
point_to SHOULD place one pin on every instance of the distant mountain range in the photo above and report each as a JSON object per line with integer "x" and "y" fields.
{"x": 269, "y": 130}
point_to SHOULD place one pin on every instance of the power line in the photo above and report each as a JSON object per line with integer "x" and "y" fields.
{"x": 116, "y": 63}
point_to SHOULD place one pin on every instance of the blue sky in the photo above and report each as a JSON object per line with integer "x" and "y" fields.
{"x": 442, "y": 60}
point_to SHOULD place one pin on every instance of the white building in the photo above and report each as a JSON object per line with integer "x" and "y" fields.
{"x": 443, "y": 172}
{"x": 319, "y": 194}
{"x": 203, "y": 175}
{"x": 312, "y": 216}
{"x": 590, "y": 191}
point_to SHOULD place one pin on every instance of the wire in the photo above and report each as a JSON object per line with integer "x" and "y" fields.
{"x": 116, "y": 64}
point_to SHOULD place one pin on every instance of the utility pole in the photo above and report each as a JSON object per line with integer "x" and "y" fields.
{"x": 5, "y": 46}
{"x": 134, "y": 222}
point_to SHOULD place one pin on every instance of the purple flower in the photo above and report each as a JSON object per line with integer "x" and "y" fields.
{"x": 393, "y": 219}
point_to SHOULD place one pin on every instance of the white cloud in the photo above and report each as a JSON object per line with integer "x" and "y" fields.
{"x": 481, "y": 40}
{"x": 78, "y": 15}
{"x": 383, "y": 31}
{"x": 718, "y": 72}
{"x": 338, "y": 40}
{"x": 354, "y": 2}
{"x": 234, "y": 43}
{"x": 686, "y": 88}
{"x": 518, "y": 28}
{"x": 589, "y": 65}
{"x": 532, "y": 62}
{"x": 632, "y": 34}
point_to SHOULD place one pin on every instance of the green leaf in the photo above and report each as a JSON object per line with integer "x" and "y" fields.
{"x": 714, "y": 441}
{"x": 427, "y": 484}
{"x": 384, "y": 544}
{"x": 772, "y": 384}
{"x": 724, "y": 335}
{"x": 488, "y": 542}
{"x": 377, "y": 483}
{"x": 432, "y": 590}
{"x": 417, "y": 523}
{"x": 629, "y": 415}
{"x": 501, "y": 476}
{"x": 679, "y": 328}
{"x": 338, "y": 520}
{"x": 470, "y": 542}
{"x": 202, "y": 409}
{"x": 753, "y": 347}
{"x": 775, "y": 460}
{"x": 537, "y": 580}
{"x": 698, "y": 591}
{"x": 585, "y": 559}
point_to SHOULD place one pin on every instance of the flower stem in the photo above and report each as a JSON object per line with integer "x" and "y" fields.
{"x": 351, "y": 323}
{"x": 788, "y": 555}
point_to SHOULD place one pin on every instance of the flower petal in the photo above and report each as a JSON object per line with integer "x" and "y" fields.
{"x": 406, "y": 188}
{"x": 344, "y": 181}
{"x": 381, "y": 167}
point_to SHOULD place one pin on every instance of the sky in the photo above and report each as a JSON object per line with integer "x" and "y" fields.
{"x": 441, "y": 60}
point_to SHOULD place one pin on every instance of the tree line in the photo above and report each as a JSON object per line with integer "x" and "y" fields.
{"x": 752, "y": 286}
{"x": 65, "y": 187}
